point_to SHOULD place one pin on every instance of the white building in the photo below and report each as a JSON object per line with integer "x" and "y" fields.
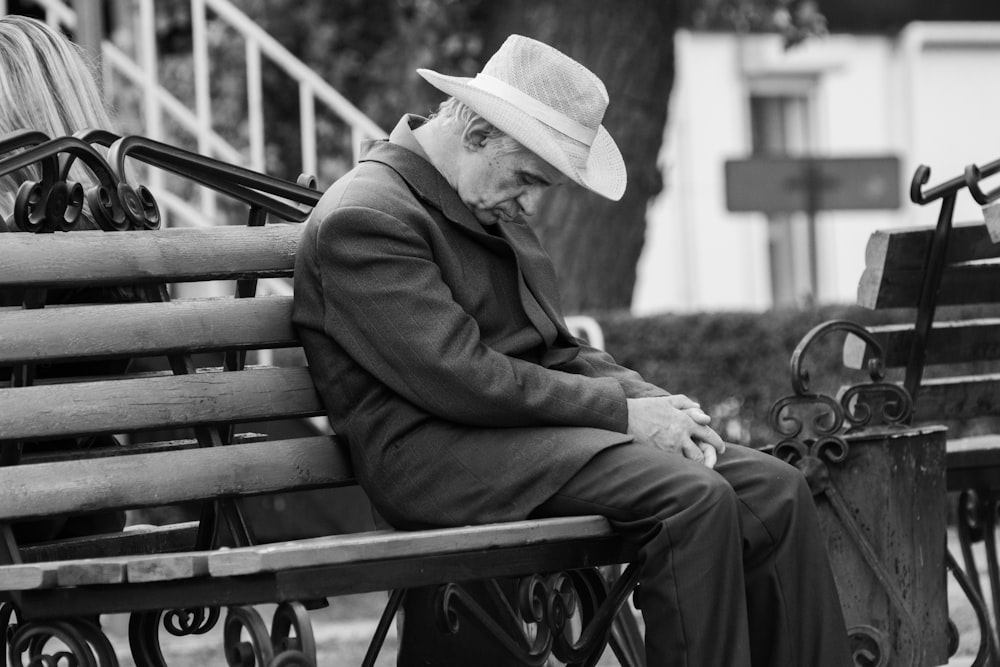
{"x": 929, "y": 95}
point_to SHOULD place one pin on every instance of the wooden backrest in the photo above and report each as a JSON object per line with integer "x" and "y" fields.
{"x": 957, "y": 352}
{"x": 167, "y": 395}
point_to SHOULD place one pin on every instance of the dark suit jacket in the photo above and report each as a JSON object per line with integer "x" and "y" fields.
{"x": 440, "y": 351}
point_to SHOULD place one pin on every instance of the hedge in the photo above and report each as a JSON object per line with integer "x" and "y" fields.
{"x": 736, "y": 364}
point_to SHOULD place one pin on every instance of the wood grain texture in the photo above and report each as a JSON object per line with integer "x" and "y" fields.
{"x": 26, "y": 577}
{"x": 167, "y": 567}
{"x": 321, "y": 552}
{"x": 907, "y": 247}
{"x": 380, "y": 545}
{"x": 965, "y": 397}
{"x": 895, "y": 259}
{"x": 38, "y": 490}
{"x": 89, "y": 572}
{"x": 974, "y": 452}
{"x": 900, "y": 288}
{"x": 135, "y": 329}
{"x": 950, "y": 342}
{"x": 118, "y": 406}
{"x": 167, "y": 255}
{"x": 134, "y": 540}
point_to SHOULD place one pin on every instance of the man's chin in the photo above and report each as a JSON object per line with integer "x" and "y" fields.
{"x": 487, "y": 216}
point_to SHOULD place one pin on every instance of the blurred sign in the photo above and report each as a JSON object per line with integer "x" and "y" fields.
{"x": 792, "y": 184}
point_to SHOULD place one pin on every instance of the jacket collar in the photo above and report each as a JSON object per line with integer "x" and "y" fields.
{"x": 403, "y": 154}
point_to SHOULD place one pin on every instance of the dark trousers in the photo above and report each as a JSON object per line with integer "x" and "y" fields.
{"x": 735, "y": 568}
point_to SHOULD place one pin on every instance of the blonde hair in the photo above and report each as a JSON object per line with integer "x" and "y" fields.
{"x": 46, "y": 84}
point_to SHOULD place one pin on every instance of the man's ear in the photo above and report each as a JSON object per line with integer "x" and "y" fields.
{"x": 475, "y": 133}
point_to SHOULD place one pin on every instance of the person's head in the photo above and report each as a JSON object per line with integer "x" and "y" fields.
{"x": 496, "y": 177}
{"x": 46, "y": 84}
{"x": 532, "y": 118}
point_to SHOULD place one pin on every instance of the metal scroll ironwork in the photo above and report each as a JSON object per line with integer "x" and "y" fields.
{"x": 55, "y": 203}
{"x": 568, "y": 615}
{"x": 248, "y": 642}
{"x": 815, "y": 442}
{"x": 877, "y": 403}
{"x": 246, "y": 639}
{"x": 65, "y": 642}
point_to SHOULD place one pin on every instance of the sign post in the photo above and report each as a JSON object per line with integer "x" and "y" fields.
{"x": 809, "y": 184}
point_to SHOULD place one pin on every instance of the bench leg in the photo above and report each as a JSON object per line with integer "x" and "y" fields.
{"x": 568, "y": 615}
{"x": 388, "y": 614}
{"x": 987, "y": 653}
{"x": 977, "y": 523}
{"x": 626, "y": 640}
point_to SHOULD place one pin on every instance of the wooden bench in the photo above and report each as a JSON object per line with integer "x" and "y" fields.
{"x": 203, "y": 389}
{"x": 947, "y": 356}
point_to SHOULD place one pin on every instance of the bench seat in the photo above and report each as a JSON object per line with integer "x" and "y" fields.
{"x": 319, "y": 552}
{"x": 198, "y": 425}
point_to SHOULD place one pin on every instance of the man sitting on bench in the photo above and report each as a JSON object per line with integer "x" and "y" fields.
{"x": 430, "y": 317}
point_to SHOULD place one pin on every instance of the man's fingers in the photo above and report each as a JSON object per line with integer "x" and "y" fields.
{"x": 692, "y": 451}
{"x": 711, "y": 457}
{"x": 700, "y": 453}
{"x": 698, "y": 416}
{"x": 705, "y": 435}
{"x": 681, "y": 402}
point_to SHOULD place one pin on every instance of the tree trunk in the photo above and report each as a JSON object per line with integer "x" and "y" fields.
{"x": 595, "y": 243}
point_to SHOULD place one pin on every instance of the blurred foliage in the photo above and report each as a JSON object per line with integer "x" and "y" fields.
{"x": 737, "y": 364}
{"x": 368, "y": 49}
{"x": 795, "y": 20}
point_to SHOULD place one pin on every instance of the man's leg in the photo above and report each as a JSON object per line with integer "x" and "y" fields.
{"x": 794, "y": 610}
{"x": 730, "y": 556}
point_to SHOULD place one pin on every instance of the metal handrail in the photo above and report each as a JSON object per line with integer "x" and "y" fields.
{"x": 159, "y": 102}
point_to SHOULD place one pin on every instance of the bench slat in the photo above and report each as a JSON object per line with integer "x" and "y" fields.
{"x": 162, "y": 478}
{"x": 378, "y": 545}
{"x": 907, "y": 247}
{"x": 136, "y": 329}
{"x": 948, "y": 343}
{"x": 974, "y": 462}
{"x": 133, "y": 540}
{"x": 944, "y": 399}
{"x": 401, "y": 544}
{"x": 117, "y": 406}
{"x": 961, "y": 284}
{"x": 167, "y": 255}
{"x": 26, "y": 577}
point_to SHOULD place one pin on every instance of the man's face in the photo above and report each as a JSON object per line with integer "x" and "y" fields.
{"x": 501, "y": 182}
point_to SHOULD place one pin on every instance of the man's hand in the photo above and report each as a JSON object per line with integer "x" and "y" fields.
{"x": 674, "y": 424}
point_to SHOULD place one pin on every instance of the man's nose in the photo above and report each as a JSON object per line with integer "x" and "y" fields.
{"x": 528, "y": 201}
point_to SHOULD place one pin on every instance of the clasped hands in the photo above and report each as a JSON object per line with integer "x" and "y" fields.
{"x": 675, "y": 424}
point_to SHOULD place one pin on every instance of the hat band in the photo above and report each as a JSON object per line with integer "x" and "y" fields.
{"x": 536, "y": 109}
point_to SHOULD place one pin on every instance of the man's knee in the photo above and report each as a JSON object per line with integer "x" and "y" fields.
{"x": 702, "y": 496}
{"x": 787, "y": 502}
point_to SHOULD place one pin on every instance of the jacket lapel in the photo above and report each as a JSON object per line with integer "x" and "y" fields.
{"x": 538, "y": 285}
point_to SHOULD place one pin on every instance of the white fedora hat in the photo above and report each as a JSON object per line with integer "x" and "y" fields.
{"x": 551, "y": 104}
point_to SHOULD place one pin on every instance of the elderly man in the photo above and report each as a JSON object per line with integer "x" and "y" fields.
{"x": 430, "y": 317}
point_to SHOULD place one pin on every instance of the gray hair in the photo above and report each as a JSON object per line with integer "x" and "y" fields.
{"x": 457, "y": 114}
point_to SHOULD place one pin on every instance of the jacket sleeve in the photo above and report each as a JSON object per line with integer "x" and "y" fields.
{"x": 594, "y": 362}
{"x": 386, "y": 304}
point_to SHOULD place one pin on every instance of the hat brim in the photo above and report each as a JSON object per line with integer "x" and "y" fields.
{"x": 604, "y": 172}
